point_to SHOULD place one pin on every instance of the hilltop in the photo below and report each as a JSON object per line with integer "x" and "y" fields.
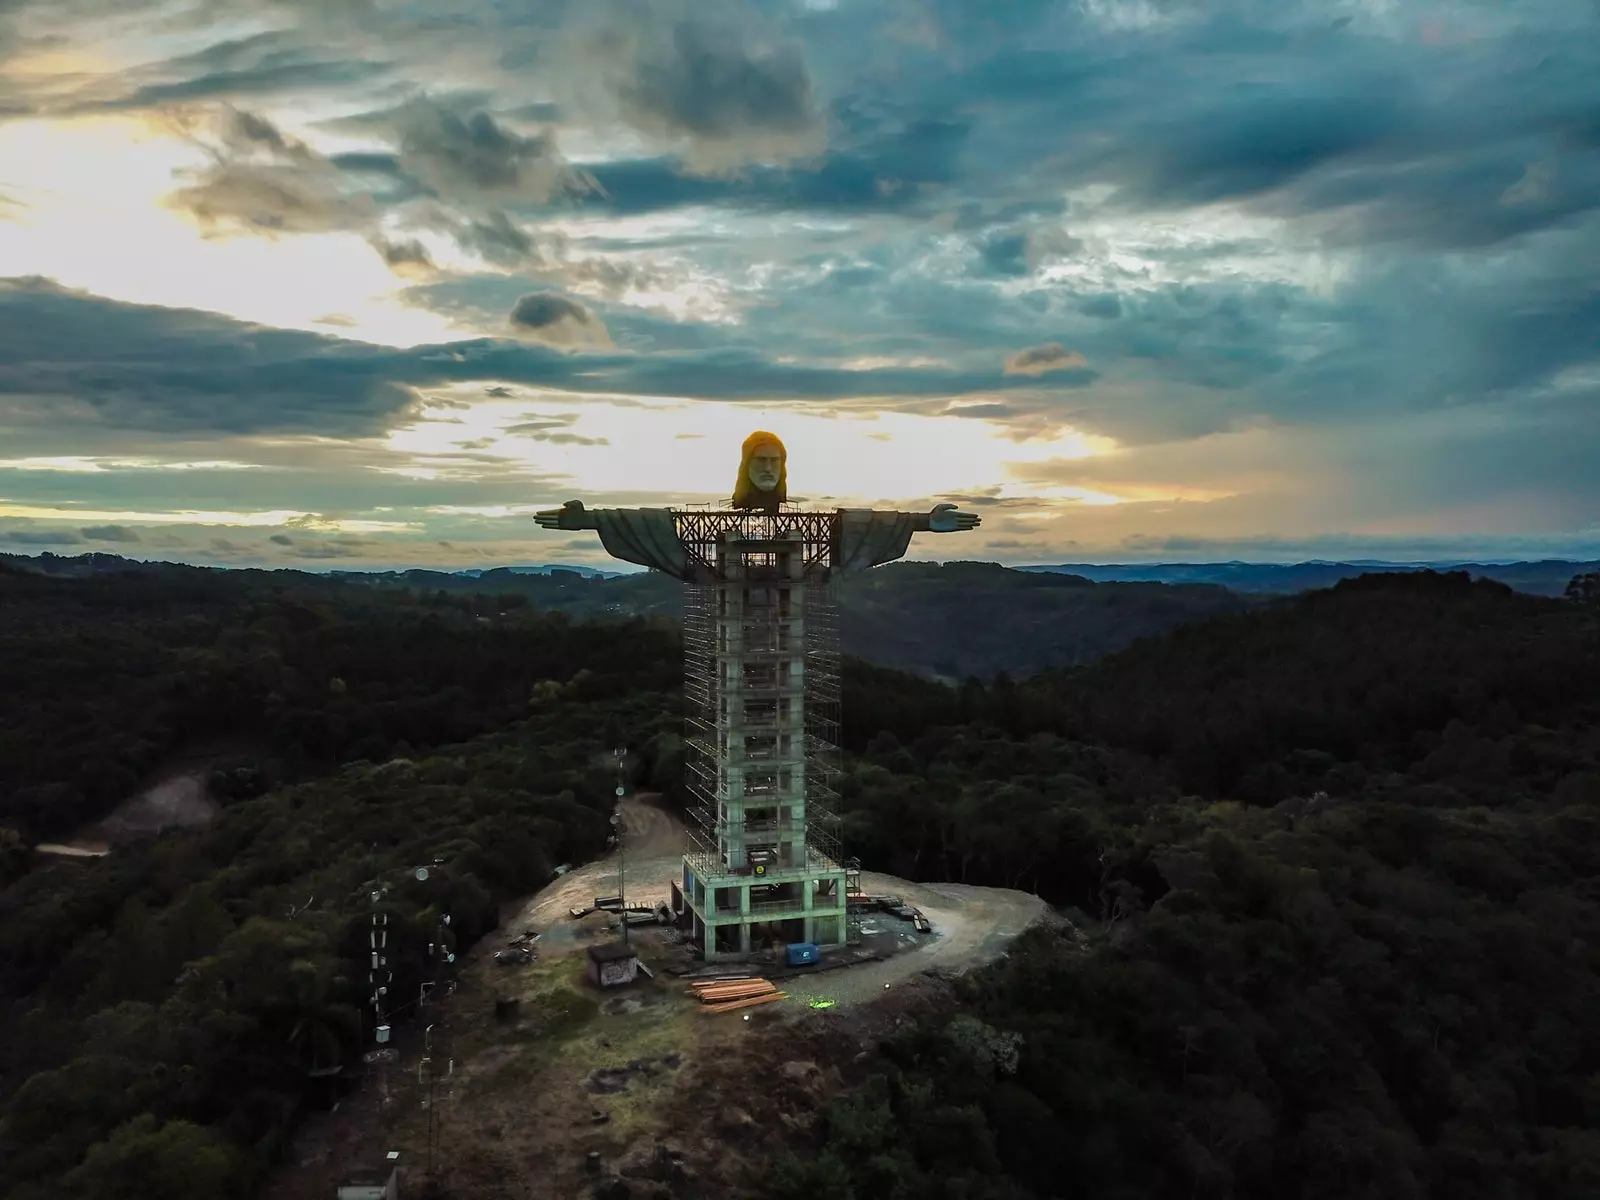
{"x": 1545, "y": 577}
{"x": 1325, "y": 870}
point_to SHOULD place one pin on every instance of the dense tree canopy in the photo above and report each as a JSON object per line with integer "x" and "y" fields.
{"x": 1335, "y": 868}
{"x": 1329, "y": 873}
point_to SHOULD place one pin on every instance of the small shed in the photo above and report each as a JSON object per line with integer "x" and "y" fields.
{"x": 380, "y": 1181}
{"x": 612, "y": 964}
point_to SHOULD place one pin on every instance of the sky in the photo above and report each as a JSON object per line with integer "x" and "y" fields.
{"x": 351, "y": 284}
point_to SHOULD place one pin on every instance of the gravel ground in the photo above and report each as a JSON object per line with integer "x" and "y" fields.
{"x": 971, "y": 925}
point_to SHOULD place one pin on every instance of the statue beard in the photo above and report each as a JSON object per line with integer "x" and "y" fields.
{"x": 750, "y": 496}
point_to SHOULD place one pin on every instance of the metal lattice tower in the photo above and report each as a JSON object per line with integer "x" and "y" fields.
{"x": 762, "y": 741}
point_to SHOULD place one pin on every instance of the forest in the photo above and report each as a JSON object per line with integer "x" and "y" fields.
{"x": 943, "y": 620}
{"x": 1329, "y": 868}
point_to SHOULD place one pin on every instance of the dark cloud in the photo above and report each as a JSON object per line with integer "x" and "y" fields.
{"x": 109, "y": 533}
{"x": 471, "y": 155}
{"x": 281, "y": 539}
{"x": 1005, "y": 254}
{"x": 69, "y": 356}
{"x": 982, "y": 412}
{"x": 1105, "y": 306}
{"x": 716, "y": 91}
{"x": 405, "y": 256}
{"x": 1255, "y": 148}
{"x": 889, "y": 168}
{"x": 39, "y": 537}
{"x": 496, "y": 239}
{"x": 342, "y": 548}
{"x": 556, "y": 321}
{"x": 1039, "y": 360}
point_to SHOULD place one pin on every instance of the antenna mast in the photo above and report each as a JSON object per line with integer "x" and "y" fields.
{"x": 622, "y": 844}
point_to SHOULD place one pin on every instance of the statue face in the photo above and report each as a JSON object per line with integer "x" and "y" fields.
{"x": 765, "y": 466}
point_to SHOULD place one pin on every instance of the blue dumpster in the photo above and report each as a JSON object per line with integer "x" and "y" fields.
{"x": 801, "y": 953}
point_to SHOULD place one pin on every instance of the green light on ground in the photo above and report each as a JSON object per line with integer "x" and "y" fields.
{"x": 821, "y": 1003}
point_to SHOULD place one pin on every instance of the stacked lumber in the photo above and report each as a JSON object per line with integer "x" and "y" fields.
{"x": 726, "y": 995}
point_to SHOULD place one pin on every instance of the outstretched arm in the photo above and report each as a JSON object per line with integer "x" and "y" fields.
{"x": 944, "y": 519}
{"x": 571, "y": 515}
{"x": 646, "y": 536}
{"x": 868, "y": 538}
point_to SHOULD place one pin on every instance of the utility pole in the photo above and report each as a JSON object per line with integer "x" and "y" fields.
{"x": 622, "y": 846}
{"x": 441, "y": 962}
{"x": 379, "y": 976}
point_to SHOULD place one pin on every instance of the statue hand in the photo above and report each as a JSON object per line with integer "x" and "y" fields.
{"x": 945, "y": 519}
{"x": 571, "y": 515}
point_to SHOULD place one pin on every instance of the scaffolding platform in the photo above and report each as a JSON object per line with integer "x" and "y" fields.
{"x": 761, "y": 752}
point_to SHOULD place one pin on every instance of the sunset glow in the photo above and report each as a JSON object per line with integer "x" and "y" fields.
{"x": 1239, "y": 295}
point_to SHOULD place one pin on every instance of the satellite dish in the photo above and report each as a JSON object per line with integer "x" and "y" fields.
{"x": 449, "y": 958}
{"x": 621, "y": 791}
{"x": 422, "y": 874}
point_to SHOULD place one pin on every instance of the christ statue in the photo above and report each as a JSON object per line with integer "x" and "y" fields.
{"x": 650, "y": 537}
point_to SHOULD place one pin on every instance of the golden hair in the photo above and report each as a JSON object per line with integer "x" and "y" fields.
{"x": 745, "y": 494}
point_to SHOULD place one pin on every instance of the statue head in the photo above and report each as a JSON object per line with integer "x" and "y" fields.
{"x": 763, "y": 472}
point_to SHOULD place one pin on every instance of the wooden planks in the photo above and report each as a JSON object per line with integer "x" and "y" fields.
{"x": 726, "y": 995}
{"x": 751, "y": 1002}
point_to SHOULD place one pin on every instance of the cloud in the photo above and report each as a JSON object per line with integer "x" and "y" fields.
{"x": 67, "y": 355}
{"x": 343, "y": 548}
{"x": 713, "y": 90}
{"x": 406, "y": 257}
{"x": 470, "y": 156}
{"x": 259, "y": 66}
{"x": 556, "y": 321}
{"x": 1040, "y": 360}
{"x": 281, "y": 539}
{"x": 452, "y": 170}
{"x": 109, "y": 533}
{"x": 260, "y": 180}
{"x": 39, "y": 537}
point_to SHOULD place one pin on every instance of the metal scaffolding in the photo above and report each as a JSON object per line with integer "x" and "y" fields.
{"x": 761, "y": 755}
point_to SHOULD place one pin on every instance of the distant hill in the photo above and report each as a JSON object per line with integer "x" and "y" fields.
{"x": 949, "y": 621}
{"x": 962, "y": 619}
{"x": 1547, "y": 577}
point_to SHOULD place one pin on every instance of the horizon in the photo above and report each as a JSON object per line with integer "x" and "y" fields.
{"x": 1139, "y": 283}
{"x": 618, "y": 568}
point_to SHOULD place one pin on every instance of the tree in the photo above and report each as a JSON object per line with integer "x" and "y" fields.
{"x": 14, "y": 855}
{"x": 1584, "y": 590}
{"x": 145, "y": 1159}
